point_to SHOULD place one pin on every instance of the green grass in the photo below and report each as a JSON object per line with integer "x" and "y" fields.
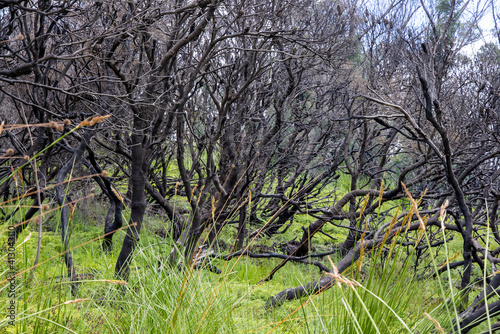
{"x": 192, "y": 301}
{"x": 381, "y": 295}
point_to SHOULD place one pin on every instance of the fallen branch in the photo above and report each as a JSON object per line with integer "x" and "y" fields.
{"x": 326, "y": 282}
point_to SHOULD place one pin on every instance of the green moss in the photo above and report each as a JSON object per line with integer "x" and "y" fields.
{"x": 171, "y": 301}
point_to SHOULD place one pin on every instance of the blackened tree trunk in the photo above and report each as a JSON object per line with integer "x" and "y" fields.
{"x": 138, "y": 149}
{"x": 113, "y": 220}
{"x": 29, "y": 214}
{"x": 63, "y": 203}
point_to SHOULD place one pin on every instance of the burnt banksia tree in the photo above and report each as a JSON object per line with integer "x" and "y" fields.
{"x": 263, "y": 109}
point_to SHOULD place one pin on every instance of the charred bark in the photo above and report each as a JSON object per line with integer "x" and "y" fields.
{"x": 35, "y": 207}
{"x": 63, "y": 201}
{"x": 113, "y": 220}
{"x": 139, "y": 171}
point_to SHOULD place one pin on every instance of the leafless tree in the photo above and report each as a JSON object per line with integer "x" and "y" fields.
{"x": 261, "y": 108}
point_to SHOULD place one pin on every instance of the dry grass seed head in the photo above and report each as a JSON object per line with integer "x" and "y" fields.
{"x": 435, "y": 322}
{"x": 442, "y": 214}
{"x": 93, "y": 121}
{"x": 339, "y": 279}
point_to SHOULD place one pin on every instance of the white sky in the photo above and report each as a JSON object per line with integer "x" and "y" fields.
{"x": 486, "y": 23}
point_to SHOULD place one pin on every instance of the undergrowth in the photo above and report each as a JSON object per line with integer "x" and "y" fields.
{"x": 380, "y": 293}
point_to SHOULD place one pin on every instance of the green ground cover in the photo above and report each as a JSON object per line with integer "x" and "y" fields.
{"x": 391, "y": 299}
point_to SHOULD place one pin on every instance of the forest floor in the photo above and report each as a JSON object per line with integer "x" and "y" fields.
{"x": 161, "y": 300}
